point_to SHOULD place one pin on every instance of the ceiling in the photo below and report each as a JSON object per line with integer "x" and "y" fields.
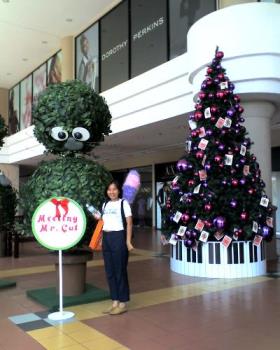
{"x": 31, "y": 31}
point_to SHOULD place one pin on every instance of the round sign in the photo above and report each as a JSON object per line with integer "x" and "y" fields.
{"x": 59, "y": 223}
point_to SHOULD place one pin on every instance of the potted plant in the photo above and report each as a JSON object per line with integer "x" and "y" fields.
{"x": 70, "y": 120}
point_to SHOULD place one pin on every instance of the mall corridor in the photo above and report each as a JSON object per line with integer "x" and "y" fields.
{"x": 167, "y": 310}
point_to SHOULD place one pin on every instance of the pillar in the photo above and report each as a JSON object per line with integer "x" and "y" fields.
{"x": 68, "y": 54}
{"x": 257, "y": 116}
{"x": 12, "y": 173}
{"x": 4, "y": 104}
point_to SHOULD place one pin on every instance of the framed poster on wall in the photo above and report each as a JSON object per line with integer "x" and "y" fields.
{"x": 148, "y": 35}
{"x": 14, "y": 110}
{"x": 26, "y": 102}
{"x": 87, "y": 57}
{"x": 55, "y": 69}
{"x": 182, "y": 15}
{"x": 39, "y": 81}
{"x": 114, "y": 47}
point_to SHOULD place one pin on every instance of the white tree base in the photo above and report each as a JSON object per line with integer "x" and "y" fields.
{"x": 60, "y": 316}
{"x": 212, "y": 259}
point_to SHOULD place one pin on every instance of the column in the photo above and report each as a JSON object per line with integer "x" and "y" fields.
{"x": 4, "y": 103}
{"x": 68, "y": 54}
{"x": 257, "y": 116}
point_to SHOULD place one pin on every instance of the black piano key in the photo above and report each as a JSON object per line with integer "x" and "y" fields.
{"x": 193, "y": 255}
{"x": 180, "y": 250}
{"x": 235, "y": 253}
{"x": 229, "y": 254}
{"x": 251, "y": 251}
{"x": 255, "y": 253}
{"x": 217, "y": 253}
{"x": 199, "y": 253}
{"x": 188, "y": 254}
{"x": 262, "y": 251}
{"x": 211, "y": 253}
{"x": 241, "y": 252}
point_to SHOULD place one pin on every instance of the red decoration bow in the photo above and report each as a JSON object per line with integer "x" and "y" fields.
{"x": 64, "y": 205}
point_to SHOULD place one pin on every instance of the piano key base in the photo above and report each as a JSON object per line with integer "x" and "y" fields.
{"x": 213, "y": 260}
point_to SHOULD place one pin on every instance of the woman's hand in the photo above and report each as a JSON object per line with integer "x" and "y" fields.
{"x": 129, "y": 246}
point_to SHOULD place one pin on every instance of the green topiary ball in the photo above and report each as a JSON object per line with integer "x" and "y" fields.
{"x": 70, "y": 118}
{"x": 77, "y": 178}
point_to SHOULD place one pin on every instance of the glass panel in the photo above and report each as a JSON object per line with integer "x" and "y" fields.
{"x": 55, "y": 69}
{"x": 39, "y": 81}
{"x": 14, "y": 110}
{"x": 87, "y": 57}
{"x": 148, "y": 35}
{"x": 114, "y": 47}
{"x": 26, "y": 102}
{"x": 182, "y": 15}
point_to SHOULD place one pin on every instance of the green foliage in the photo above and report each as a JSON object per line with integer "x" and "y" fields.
{"x": 69, "y": 105}
{"x": 3, "y": 130}
{"x": 8, "y": 202}
{"x": 77, "y": 178}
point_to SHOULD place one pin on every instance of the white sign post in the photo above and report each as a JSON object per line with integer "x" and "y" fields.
{"x": 59, "y": 224}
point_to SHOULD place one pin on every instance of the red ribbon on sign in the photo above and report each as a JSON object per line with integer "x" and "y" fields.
{"x": 64, "y": 205}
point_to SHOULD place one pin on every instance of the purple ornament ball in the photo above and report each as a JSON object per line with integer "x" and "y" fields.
{"x": 266, "y": 231}
{"x": 230, "y": 112}
{"x": 188, "y": 243}
{"x": 219, "y": 222}
{"x": 182, "y": 165}
{"x": 233, "y": 203}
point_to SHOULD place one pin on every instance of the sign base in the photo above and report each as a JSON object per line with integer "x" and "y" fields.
{"x": 60, "y": 316}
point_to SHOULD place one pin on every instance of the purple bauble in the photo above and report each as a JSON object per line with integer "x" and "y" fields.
{"x": 266, "y": 231}
{"x": 242, "y": 181}
{"x": 233, "y": 203}
{"x": 203, "y": 86}
{"x": 219, "y": 222}
{"x": 190, "y": 166}
{"x": 209, "y": 132}
{"x": 224, "y": 182}
{"x": 221, "y": 147}
{"x": 242, "y": 160}
{"x": 188, "y": 243}
{"x": 230, "y": 112}
{"x": 205, "y": 184}
{"x": 188, "y": 234}
{"x": 194, "y": 216}
{"x": 211, "y": 95}
{"x": 182, "y": 165}
{"x": 193, "y": 234}
{"x": 207, "y": 167}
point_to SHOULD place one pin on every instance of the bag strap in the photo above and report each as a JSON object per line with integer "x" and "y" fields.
{"x": 123, "y": 215}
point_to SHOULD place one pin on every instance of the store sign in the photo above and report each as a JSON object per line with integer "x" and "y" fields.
{"x": 59, "y": 223}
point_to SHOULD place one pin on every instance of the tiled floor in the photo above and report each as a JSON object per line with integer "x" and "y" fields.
{"x": 167, "y": 310}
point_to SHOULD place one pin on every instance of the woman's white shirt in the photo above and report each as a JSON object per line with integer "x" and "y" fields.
{"x": 112, "y": 216}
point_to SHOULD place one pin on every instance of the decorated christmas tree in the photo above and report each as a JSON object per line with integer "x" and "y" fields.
{"x": 218, "y": 193}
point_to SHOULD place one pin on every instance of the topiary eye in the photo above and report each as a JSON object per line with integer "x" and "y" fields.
{"x": 59, "y": 134}
{"x": 81, "y": 134}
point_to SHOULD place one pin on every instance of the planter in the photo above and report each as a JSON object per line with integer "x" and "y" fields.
{"x": 212, "y": 259}
{"x": 74, "y": 272}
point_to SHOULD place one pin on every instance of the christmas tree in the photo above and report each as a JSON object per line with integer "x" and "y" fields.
{"x": 218, "y": 193}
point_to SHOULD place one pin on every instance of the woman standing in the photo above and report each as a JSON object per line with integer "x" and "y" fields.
{"x": 116, "y": 243}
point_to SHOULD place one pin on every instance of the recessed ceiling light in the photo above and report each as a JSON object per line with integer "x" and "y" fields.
{"x": 25, "y": 59}
{"x": 69, "y": 19}
{"x": 44, "y": 42}
{"x": 9, "y": 73}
